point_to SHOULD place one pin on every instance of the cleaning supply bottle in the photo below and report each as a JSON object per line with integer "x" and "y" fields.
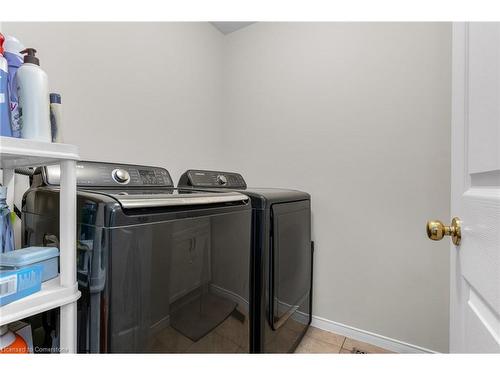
{"x": 33, "y": 93}
{"x": 12, "y": 52}
{"x": 6, "y": 232}
{"x": 12, "y": 343}
{"x": 5, "y": 128}
{"x": 56, "y": 117}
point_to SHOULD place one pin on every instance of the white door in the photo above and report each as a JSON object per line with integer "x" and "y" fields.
{"x": 475, "y": 190}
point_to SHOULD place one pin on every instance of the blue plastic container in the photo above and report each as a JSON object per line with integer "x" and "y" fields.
{"x": 47, "y": 257}
{"x": 20, "y": 283}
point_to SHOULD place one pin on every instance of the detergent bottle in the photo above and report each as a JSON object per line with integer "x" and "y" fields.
{"x": 12, "y": 52}
{"x": 5, "y": 128}
{"x": 33, "y": 92}
{"x": 11, "y": 343}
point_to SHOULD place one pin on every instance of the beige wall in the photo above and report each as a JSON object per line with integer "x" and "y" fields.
{"x": 359, "y": 116}
{"x": 356, "y": 114}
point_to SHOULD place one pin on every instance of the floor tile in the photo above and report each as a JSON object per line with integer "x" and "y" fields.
{"x": 328, "y": 337}
{"x": 351, "y": 344}
{"x": 310, "y": 345}
{"x": 170, "y": 341}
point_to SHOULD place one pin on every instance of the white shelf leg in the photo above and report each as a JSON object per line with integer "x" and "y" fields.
{"x": 67, "y": 328}
{"x": 67, "y": 234}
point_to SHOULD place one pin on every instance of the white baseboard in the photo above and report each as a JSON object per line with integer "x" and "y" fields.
{"x": 387, "y": 343}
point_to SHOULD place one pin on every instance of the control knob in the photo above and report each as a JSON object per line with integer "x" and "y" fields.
{"x": 121, "y": 176}
{"x": 221, "y": 179}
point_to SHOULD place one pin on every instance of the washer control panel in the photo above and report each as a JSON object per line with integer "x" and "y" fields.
{"x": 109, "y": 174}
{"x": 212, "y": 179}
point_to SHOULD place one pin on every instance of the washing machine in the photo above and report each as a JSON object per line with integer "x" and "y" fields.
{"x": 160, "y": 271}
{"x": 281, "y": 258}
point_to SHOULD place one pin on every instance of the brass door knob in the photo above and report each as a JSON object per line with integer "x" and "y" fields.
{"x": 436, "y": 230}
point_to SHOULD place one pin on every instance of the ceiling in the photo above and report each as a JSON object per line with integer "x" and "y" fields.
{"x": 229, "y": 27}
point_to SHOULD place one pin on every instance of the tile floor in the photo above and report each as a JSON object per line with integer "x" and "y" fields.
{"x": 230, "y": 337}
{"x": 319, "y": 341}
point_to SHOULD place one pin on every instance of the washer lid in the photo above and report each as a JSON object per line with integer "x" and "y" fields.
{"x": 131, "y": 200}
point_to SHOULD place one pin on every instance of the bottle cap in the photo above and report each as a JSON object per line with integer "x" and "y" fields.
{"x": 55, "y": 98}
{"x": 30, "y": 57}
{"x": 1, "y": 43}
{"x": 13, "y": 45}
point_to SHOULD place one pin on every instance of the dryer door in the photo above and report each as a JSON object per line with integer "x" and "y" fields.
{"x": 290, "y": 263}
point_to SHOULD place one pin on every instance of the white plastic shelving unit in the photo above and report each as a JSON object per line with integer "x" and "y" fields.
{"x": 62, "y": 291}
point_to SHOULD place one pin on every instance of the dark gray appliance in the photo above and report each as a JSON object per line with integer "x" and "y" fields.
{"x": 282, "y": 256}
{"x": 159, "y": 271}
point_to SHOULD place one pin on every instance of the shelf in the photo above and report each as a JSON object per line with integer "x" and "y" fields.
{"x": 17, "y": 152}
{"x": 51, "y": 295}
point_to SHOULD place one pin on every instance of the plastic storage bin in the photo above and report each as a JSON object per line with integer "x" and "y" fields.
{"x": 47, "y": 257}
{"x": 19, "y": 283}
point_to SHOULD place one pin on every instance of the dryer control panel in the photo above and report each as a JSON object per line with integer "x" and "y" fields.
{"x": 90, "y": 174}
{"x": 212, "y": 179}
